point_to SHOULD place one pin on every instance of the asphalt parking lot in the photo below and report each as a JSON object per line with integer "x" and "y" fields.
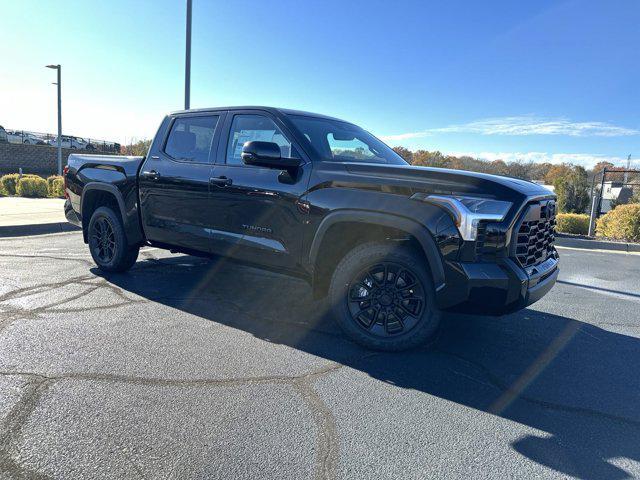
{"x": 186, "y": 368}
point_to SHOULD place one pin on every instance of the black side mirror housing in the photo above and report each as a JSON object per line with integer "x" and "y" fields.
{"x": 267, "y": 154}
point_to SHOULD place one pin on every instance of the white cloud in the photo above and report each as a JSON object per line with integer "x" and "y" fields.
{"x": 405, "y": 136}
{"x": 524, "y": 125}
{"x": 585, "y": 159}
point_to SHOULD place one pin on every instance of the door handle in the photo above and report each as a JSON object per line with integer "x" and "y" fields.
{"x": 152, "y": 175}
{"x": 221, "y": 181}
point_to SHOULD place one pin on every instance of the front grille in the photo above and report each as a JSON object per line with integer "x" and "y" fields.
{"x": 480, "y": 238}
{"x": 536, "y": 233}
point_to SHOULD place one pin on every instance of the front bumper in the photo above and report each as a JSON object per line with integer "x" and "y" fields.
{"x": 495, "y": 288}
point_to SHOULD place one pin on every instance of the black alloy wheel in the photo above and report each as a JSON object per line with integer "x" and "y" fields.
{"x": 386, "y": 299}
{"x": 383, "y": 298}
{"x": 104, "y": 240}
{"x": 108, "y": 243}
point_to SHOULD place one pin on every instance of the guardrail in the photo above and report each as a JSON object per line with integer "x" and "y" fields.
{"x": 27, "y": 137}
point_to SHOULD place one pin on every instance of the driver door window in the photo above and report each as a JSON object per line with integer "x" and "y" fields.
{"x": 246, "y": 128}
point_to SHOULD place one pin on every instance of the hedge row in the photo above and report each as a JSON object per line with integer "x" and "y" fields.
{"x": 621, "y": 223}
{"x": 55, "y": 186}
{"x": 9, "y": 182}
{"x": 29, "y": 185}
{"x": 32, "y": 187}
{"x": 576, "y": 223}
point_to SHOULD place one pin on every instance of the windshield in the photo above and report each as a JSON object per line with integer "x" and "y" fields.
{"x": 342, "y": 141}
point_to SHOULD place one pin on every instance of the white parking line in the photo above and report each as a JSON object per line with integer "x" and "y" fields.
{"x": 597, "y": 250}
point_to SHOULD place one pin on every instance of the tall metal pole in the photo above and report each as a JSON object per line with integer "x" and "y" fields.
{"x": 596, "y": 205}
{"x": 626, "y": 173}
{"x": 59, "y": 84}
{"x": 187, "y": 63}
{"x": 59, "y": 120}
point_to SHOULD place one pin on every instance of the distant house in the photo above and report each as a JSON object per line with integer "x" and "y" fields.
{"x": 615, "y": 192}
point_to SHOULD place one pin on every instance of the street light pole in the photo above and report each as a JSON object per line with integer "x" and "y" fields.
{"x": 187, "y": 62}
{"x": 59, "y": 84}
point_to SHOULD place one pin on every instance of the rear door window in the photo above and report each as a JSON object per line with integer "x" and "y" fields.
{"x": 190, "y": 138}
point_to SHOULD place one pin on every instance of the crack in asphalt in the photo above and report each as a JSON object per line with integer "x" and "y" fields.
{"x": 12, "y": 426}
{"x": 86, "y": 261}
{"x": 326, "y": 439}
{"x": 495, "y": 382}
{"x": 498, "y": 384}
{"x": 12, "y": 313}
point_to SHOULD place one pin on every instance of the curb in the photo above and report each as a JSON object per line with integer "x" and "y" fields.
{"x": 36, "y": 229}
{"x": 591, "y": 244}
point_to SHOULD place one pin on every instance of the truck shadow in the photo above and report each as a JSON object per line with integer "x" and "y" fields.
{"x": 578, "y": 384}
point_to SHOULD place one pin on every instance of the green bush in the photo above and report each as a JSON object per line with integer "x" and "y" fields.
{"x": 55, "y": 186}
{"x": 621, "y": 223}
{"x": 32, "y": 186}
{"x": 9, "y": 182}
{"x": 576, "y": 223}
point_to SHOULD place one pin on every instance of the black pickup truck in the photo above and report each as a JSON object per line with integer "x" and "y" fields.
{"x": 389, "y": 244}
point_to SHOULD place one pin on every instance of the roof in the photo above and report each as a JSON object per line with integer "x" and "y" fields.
{"x": 274, "y": 110}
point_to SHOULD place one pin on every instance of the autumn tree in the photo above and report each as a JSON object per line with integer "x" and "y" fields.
{"x": 405, "y": 153}
{"x": 426, "y": 158}
{"x": 556, "y": 172}
{"x": 540, "y": 170}
{"x": 598, "y": 167}
{"x": 498, "y": 167}
{"x": 520, "y": 169}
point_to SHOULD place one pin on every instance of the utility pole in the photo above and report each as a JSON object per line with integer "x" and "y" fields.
{"x": 59, "y": 84}
{"x": 596, "y": 204}
{"x": 626, "y": 173}
{"x": 187, "y": 62}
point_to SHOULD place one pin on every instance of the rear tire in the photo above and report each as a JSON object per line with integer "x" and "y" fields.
{"x": 108, "y": 243}
{"x": 383, "y": 298}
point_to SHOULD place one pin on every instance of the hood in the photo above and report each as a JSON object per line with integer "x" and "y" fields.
{"x": 447, "y": 181}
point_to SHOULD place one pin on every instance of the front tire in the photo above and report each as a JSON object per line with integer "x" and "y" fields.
{"x": 383, "y": 298}
{"x": 108, "y": 243}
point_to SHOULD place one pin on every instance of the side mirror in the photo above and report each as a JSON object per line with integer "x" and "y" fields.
{"x": 267, "y": 154}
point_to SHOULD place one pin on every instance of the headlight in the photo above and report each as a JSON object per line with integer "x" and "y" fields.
{"x": 469, "y": 211}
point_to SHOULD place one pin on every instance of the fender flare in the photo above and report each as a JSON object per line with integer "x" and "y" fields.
{"x": 105, "y": 187}
{"x": 420, "y": 232}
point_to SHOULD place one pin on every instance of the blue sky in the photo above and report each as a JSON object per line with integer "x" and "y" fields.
{"x": 514, "y": 80}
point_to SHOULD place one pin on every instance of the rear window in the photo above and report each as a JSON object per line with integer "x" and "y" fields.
{"x": 191, "y": 137}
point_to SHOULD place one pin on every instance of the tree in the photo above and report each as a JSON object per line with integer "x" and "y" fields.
{"x": 556, "y": 172}
{"x": 498, "y": 167}
{"x": 137, "y": 149}
{"x": 430, "y": 159}
{"x": 404, "y": 153}
{"x": 456, "y": 163}
{"x": 520, "y": 169}
{"x": 598, "y": 167}
{"x": 540, "y": 170}
{"x": 572, "y": 190}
